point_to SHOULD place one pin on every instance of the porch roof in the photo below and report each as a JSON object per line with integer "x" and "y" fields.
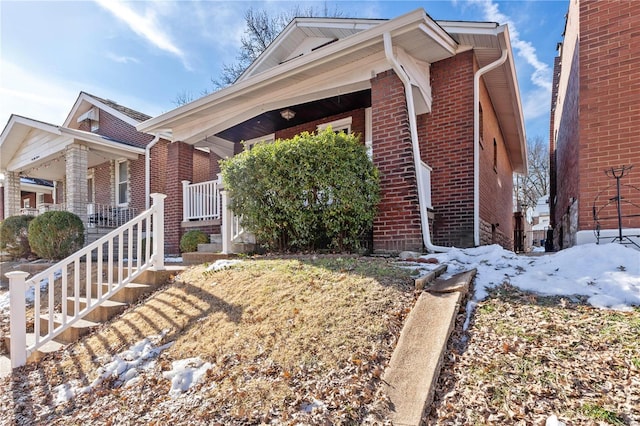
{"x": 281, "y": 78}
{"x": 341, "y": 67}
{"x": 35, "y": 148}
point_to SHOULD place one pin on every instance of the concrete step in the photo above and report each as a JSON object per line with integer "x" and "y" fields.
{"x": 103, "y": 313}
{"x": 71, "y": 334}
{"x": 210, "y": 248}
{"x": 215, "y": 238}
{"x": 130, "y": 293}
{"x": 5, "y": 366}
{"x": 197, "y": 258}
{"x": 47, "y": 348}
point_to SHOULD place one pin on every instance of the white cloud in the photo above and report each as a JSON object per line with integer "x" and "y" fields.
{"x": 145, "y": 26}
{"x": 541, "y": 76}
{"x": 122, "y": 59}
{"x": 28, "y": 94}
{"x": 536, "y": 103}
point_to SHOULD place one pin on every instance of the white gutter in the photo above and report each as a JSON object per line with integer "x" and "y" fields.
{"x": 476, "y": 141}
{"x": 147, "y": 170}
{"x": 413, "y": 129}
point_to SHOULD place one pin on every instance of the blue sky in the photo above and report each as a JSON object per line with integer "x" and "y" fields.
{"x": 141, "y": 54}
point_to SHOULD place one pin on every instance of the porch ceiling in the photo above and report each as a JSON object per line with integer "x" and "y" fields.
{"x": 271, "y": 121}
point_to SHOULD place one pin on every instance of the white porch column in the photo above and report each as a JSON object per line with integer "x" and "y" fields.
{"x": 76, "y": 180}
{"x": 11, "y": 194}
{"x": 17, "y": 318}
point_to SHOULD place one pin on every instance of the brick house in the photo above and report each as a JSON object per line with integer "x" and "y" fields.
{"x": 96, "y": 165}
{"x": 594, "y": 124}
{"x": 436, "y": 102}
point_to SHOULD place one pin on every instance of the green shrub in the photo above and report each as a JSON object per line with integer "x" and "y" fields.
{"x": 56, "y": 234}
{"x": 312, "y": 191}
{"x": 190, "y": 240}
{"x": 14, "y": 236}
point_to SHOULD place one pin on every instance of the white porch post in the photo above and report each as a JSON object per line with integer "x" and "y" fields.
{"x": 186, "y": 201}
{"x": 76, "y": 180}
{"x": 225, "y": 226}
{"x": 11, "y": 194}
{"x": 158, "y": 231}
{"x": 17, "y": 318}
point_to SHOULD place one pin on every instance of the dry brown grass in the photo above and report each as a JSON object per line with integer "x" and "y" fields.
{"x": 530, "y": 356}
{"x": 279, "y": 333}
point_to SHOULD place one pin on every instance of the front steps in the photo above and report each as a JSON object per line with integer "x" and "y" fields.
{"x": 212, "y": 251}
{"x": 131, "y": 293}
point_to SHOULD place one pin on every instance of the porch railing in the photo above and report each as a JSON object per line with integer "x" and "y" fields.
{"x": 201, "y": 201}
{"x": 41, "y": 208}
{"x": 82, "y": 281}
{"x": 109, "y": 216}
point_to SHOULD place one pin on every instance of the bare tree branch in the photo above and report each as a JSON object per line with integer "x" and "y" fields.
{"x": 531, "y": 187}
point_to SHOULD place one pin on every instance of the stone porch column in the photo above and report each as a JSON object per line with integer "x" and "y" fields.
{"x": 76, "y": 180}
{"x": 11, "y": 194}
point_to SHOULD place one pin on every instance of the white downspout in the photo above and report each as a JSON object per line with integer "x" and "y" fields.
{"x": 476, "y": 142}
{"x": 413, "y": 129}
{"x": 147, "y": 171}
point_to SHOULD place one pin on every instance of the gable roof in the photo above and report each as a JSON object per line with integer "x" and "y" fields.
{"x": 304, "y": 35}
{"x": 26, "y": 143}
{"x": 86, "y": 101}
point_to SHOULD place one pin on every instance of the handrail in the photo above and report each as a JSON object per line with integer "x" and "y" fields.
{"x": 107, "y": 283}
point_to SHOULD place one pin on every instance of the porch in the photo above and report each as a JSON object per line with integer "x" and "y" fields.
{"x": 70, "y": 161}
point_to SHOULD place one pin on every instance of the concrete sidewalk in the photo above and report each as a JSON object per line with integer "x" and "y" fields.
{"x": 414, "y": 368}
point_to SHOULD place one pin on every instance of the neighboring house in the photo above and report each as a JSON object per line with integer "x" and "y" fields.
{"x": 95, "y": 163}
{"x": 540, "y": 223}
{"x": 595, "y": 124}
{"x": 436, "y": 102}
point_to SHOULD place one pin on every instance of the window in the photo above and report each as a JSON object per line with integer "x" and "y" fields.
{"x": 39, "y": 198}
{"x": 342, "y": 125}
{"x": 90, "y": 189}
{"x": 122, "y": 182}
{"x": 26, "y": 203}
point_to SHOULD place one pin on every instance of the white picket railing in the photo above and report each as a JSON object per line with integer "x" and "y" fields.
{"x": 64, "y": 280}
{"x": 201, "y": 201}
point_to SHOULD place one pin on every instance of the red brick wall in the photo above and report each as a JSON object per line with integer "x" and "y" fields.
{"x": 200, "y": 166}
{"x": 137, "y": 184}
{"x": 158, "y": 162}
{"x": 357, "y": 125}
{"x": 179, "y": 167}
{"x": 567, "y": 153}
{"x": 609, "y": 102}
{"x": 214, "y": 166}
{"x": 119, "y": 130}
{"x": 103, "y": 183}
{"x": 446, "y": 140}
{"x": 397, "y": 224}
{"x": 553, "y": 191}
{"x": 496, "y": 183}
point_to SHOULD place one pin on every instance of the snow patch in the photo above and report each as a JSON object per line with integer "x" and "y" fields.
{"x": 222, "y": 264}
{"x": 185, "y": 373}
{"x": 124, "y": 367}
